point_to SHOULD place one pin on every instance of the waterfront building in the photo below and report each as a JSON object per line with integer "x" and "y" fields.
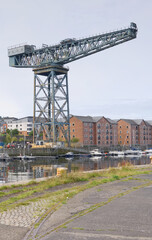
{"x": 144, "y": 132}
{"x": 83, "y": 128}
{"x": 106, "y": 132}
{"x": 23, "y": 125}
{"x": 128, "y": 132}
{"x": 136, "y": 132}
{"x": 4, "y": 123}
{"x": 93, "y": 131}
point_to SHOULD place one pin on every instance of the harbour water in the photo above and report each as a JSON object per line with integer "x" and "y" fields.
{"x": 18, "y": 170}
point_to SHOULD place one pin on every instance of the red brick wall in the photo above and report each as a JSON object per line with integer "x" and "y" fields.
{"x": 106, "y": 133}
{"x": 76, "y": 129}
{"x": 145, "y": 134}
{"x": 124, "y": 133}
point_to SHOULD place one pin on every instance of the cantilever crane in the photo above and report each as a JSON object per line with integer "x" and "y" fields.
{"x": 51, "y": 100}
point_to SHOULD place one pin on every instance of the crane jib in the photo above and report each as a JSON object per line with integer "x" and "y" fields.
{"x": 68, "y": 50}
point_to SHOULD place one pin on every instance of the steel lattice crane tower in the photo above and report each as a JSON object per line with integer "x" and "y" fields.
{"x": 51, "y": 98}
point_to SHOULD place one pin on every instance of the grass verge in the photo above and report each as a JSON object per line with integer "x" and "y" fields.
{"x": 24, "y": 194}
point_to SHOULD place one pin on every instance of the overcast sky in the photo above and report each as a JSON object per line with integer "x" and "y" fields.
{"x": 115, "y": 83}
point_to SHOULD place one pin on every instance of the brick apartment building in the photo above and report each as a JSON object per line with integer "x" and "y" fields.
{"x": 134, "y": 132}
{"x": 83, "y": 128}
{"x": 106, "y": 132}
{"x": 144, "y": 132}
{"x": 128, "y": 133}
{"x": 91, "y": 131}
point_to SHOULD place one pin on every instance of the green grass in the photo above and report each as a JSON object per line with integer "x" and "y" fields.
{"x": 24, "y": 194}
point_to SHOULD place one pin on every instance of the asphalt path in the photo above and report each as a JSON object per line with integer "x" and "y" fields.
{"x": 126, "y": 217}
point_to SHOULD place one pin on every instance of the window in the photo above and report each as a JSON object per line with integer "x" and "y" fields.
{"x": 90, "y": 125}
{"x": 73, "y": 124}
{"x": 107, "y": 137}
{"x": 85, "y": 124}
{"x": 127, "y": 136}
{"x": 98, "y": 137}
{"x": 110, "y": 137}
{"x": 98, "y": 125}
{"x": 73, "y": 130}
{"x": 127, "y": 126}
{"x": 73, "y": 136}
{"x": 107, "y": 126}
{"x": 85, "y": 135}
{"x": 120, "y": 126}
{"x": 91, "y": 137}
{"x": 120, "y": 136}
{"x": 127, "y": 141}
{"x": 107, "y": 132}
{"x": 98, "y": 142}
{"x": 120, "y": 132}
{"x": 107, "y": 142}
{"x": 99, "y": 131}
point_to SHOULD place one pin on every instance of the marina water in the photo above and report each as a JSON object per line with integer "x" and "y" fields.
{"x": 18, "y": 170}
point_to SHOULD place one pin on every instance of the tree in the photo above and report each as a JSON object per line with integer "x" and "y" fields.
{"x": 31, "y": 133}
{"x": 8, "y": 138}
{"x": 21, "y": 139}
{"x": 8, "y": 131}
{"x": 75, "y": 140}
{"x": 13, "y": 139}
{"x": 15, "y": 132}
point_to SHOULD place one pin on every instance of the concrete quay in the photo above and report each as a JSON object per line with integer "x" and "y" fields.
{"x": 117, "y": 210}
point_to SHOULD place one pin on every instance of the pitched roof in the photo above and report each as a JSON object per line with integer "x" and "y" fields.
{"x": 132, "y": 122}
{"x": 84, "y": 118}
{"x": 97, "y": 118}
{"x": 138, "y": 121}
{"x": 149, "y": 121}
{"x": 112, "y": 121}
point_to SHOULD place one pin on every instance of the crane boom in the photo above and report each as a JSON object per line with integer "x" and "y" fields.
{"x": 27, "y": 56}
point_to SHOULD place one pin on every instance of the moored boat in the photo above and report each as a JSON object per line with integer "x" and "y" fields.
{"x": 96, "y": 152}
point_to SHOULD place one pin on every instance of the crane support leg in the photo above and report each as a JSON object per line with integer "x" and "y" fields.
{"x": 51, "y": 104}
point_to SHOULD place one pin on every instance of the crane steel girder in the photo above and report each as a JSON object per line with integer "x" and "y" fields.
{"x": 68, "y": 50}
{"x": 51, "y": 104}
